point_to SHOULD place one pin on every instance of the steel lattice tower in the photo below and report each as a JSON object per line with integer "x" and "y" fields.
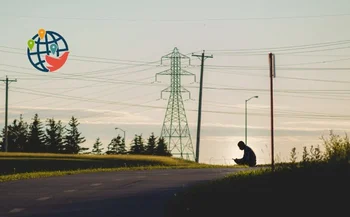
{"x": 175, "y": 128}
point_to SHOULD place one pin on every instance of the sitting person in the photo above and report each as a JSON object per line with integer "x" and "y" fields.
{"x": 249, "y": 157}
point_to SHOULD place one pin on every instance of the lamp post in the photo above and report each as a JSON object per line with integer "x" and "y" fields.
{"x": 246, "y": 116}
{"x": 123, "y": 132}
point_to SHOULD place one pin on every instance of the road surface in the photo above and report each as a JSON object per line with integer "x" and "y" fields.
{"x": 104, "y": 194}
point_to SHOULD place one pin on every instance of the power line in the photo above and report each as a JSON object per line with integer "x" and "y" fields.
{"x": 184, "y": 20}
{"x": 279, "y": 68}
{"x": 293, "y": 47}
{"x": 341, "y": 117}
{"x": 214, "y": 88}
{"x": 120, "y": 61}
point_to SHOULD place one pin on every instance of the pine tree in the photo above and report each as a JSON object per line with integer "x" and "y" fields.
{"x": 162, "y": 149}
{"x": 2, "y": 142}
{"x": 54, "y": 136}
{"x": 112, "y": 146}
{"x": 141, "y": 144}
{"x": 11, "y": 137}
{"x": 97, "y": 148}
{"x": 18, "y": 134}
{"x": 151, "y": 145}
{"x": 137, "y": 147}
{"x": 73, "y": 139}
{"x": 36, "y": 136}
{"x": 121, "y": 148}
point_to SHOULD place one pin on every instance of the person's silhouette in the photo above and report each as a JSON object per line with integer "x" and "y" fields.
{"x": 249, "y": 157}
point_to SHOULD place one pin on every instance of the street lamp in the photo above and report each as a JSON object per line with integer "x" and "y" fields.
{"x": 246, "y": 116}
{"x": 123, "y": 132}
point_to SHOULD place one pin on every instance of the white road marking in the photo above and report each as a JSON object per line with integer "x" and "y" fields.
{"x": 16, "y": 210}
{"x": 165, "y": 174}
{"x": 43, "y": 198}
{"x": 118, "y": 179}
{"x": 68, "y": 191}
{"x": 141, "y": 177}
{"x": 96, "y": 184}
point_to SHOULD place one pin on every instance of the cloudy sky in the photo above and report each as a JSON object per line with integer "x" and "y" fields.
{"x": 115, "y": 50}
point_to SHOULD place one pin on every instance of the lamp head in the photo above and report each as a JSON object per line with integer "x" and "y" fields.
{"x": 256, "y": 96}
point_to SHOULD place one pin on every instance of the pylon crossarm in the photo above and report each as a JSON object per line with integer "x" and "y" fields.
{"x": 184, "y": 90}
{"x": 167, "y": 90}
{"x": 165, "y": 72}
{"x": 187, "y": 73}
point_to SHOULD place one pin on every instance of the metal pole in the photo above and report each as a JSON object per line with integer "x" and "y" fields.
{"x": 246, "y": 122}
{"x": 124, "y": 137}
{"x": 246, "y": 118}
{"x": 271, "y": 61}
{"x": 6, "y": 114}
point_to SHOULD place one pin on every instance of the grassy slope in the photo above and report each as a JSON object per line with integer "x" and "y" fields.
{"x": 27, "y": 165}
{"x": 314, "y": 190}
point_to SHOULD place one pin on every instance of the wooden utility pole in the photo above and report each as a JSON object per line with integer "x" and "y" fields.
{"x": 272, "y": 75}
{"x": 203, "y": 57}
{"x": 7, "y": 81}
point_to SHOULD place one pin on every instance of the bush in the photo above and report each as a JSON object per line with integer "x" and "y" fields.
{"x": 337, "y": 149}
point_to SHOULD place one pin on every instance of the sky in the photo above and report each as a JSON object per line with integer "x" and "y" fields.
{"x": 115, "y": 50}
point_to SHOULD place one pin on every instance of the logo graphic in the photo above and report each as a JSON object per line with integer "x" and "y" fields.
{"x": 47, "y": 51}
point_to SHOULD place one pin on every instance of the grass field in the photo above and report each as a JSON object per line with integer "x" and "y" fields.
{"x": 314, "y": 190}
{"x": 319, "y": 185}
{"x": 29, "y": 165}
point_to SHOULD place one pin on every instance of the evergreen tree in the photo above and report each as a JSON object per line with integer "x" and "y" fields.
{"x": 73, "y": 139}
{"x": 54, "y": 136}
{"x": 2, "y": 142}
{"x": 2, "y": 136}
{"x": 11, "y": 138}
{"x": 151, "y": 145}
{"x": 112, "y": 146}
{"x": 97, "y": 148}
{"x": 162, "y": 149}
{"x": 18, "y": 135}
{"x": 137, "y": 147}
{"x": 36, "y": 136}
{"x": 121, "y": 148}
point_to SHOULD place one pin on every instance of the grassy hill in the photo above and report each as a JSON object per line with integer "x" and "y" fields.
{"x": 29, "y": 165}
{"x": 319, "y": 185}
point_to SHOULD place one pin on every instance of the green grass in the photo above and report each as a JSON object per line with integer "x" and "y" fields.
{"x": 313, "y": 190}
{"x": 319, "y": 185}
{"x": 16, "y": 166}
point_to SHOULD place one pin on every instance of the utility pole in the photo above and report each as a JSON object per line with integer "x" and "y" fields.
{"x": 203, "y": 57}
{"x": 272, "y": 75}
{"x": 7, "y": 81}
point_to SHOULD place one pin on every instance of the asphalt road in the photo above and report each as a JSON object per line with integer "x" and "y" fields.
{"x": 124, "y": 194}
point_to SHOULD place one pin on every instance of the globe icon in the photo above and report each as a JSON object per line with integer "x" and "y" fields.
{"x": 47, "y": 51}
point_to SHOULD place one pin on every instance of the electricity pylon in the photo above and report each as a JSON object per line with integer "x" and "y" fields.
{"x": 175, "y": 128}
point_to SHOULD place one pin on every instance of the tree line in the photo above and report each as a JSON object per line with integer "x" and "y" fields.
{"x": 54, "y": 137}
{"x": 153, "y": 146}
